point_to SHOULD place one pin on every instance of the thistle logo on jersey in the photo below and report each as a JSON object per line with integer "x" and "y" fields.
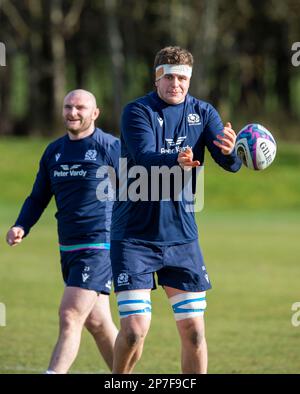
{"x": 91, "y": 154}
{"x": 173, "y": 146}
{"x": 67, "y": 170}
{"x": 123, "y": 279}
{"x": 193, "y": 119}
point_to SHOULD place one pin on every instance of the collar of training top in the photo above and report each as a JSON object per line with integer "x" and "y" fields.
{"x": 180, "y": 69}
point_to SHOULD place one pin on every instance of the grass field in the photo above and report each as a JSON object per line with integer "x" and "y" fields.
{"x": 249, "y": 230}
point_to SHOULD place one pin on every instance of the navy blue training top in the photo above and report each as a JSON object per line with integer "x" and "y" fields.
{"x": 68, "y": 171}
{"x": 152, "y": 134}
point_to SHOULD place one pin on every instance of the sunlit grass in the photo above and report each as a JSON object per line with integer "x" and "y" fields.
{"x": 249, "y": 231}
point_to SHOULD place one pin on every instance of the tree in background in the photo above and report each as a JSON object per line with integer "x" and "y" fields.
{"x": 242, "y": 53}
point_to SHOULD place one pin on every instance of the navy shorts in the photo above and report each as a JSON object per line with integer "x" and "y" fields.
{"x": 89, "y": 269}
{"x": 181, "y": 266}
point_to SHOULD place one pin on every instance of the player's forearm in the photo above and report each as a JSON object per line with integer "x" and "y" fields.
{"x": 30, "y": 213}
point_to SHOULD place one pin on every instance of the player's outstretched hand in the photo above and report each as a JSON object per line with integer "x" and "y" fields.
{"x": 185, "y": 159}
{"x": 14, "y": 236}
{"x": 226, "y": 139}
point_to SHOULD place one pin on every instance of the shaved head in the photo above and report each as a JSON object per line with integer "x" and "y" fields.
{"x": 80, "y": 112}
{"x": 84, "y": 94}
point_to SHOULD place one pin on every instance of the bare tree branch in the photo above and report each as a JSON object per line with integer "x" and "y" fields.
{"x": 15, "y": 19}
{"x": 73, "y": 16}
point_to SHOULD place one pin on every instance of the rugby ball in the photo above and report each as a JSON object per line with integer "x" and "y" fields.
{"x": 256, "y": 146}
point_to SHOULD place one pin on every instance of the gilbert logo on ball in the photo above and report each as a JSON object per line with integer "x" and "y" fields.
{"x": 256, "y": 146}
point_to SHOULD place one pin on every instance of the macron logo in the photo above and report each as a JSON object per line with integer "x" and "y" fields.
{"x": 85, "y": 277}
{"x": 108, "y": 284}
{"x": 57, "y": 156}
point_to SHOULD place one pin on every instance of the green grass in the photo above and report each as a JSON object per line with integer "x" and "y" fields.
{"x": 277, "y": 187}
{"x": 253, "y": 263}
{"x": 249, "y": 231}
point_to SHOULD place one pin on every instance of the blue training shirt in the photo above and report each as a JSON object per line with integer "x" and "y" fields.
{"x": 152, "y": 134}
{"x": 68, "y": 171}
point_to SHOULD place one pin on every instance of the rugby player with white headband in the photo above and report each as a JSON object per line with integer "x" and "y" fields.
{"x": 167, "y": 127}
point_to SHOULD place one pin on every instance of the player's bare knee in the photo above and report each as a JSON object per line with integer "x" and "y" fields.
{"x": 196, "y": 337}
{"x": 134, "y": 330}
{"x": 94, "y": 326}
{"x": 191, "y": 332}
{"x": 134, "y": 338}
{"x": 69, "y": 318}
{"x": 135, "y": 313}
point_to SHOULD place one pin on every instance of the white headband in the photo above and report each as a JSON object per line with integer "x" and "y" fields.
{"x": 180, "y": 69}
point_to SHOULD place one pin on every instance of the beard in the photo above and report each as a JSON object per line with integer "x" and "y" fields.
{"x": 77, "y": 126}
